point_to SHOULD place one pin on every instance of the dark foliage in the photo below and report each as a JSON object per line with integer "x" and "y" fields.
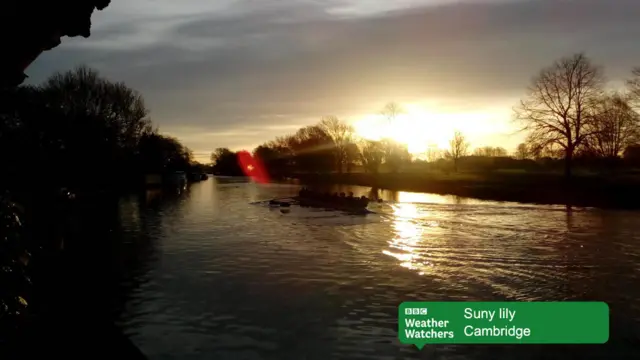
{"x": 226, "y": 162}
{"x": 76, "y": 136}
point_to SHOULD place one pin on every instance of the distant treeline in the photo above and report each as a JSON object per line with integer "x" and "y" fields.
{"x": 315, "y": 152}
{"x": 79, "y": 130}
{"x": 569, "y": 118}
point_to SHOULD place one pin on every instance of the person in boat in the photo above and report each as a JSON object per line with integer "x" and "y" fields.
{"x": 364, "y": 201}
{"x": 351, "y": 200}
{"x": 342, "y": 199}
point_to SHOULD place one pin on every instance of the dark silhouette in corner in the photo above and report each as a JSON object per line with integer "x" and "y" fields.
{"x": 46, "y": 307}
{"x": 31, "y": 27}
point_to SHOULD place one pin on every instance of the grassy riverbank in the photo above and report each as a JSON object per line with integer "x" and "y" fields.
{"x": 620, "y": 191}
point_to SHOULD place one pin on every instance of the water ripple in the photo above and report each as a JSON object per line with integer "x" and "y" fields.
{"x": 217, "y": 277}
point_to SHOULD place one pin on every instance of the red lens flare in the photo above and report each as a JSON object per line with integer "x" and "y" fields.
{"x": 252, "y": 167}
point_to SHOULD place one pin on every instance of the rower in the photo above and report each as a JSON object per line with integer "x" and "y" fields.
{"x": 364, "y": 201}
{"x": 342, "y": 200}
{"x": 312, "y": 194}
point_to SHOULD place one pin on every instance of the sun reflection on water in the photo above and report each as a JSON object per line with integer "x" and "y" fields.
{"x": 407, "y": 243}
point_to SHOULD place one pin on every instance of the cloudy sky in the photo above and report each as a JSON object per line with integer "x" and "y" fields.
{"x": 234, "y": 73}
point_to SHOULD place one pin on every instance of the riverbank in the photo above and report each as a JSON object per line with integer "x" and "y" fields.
{"x": 537, "y": 188}
{"x": 62, "y": 239}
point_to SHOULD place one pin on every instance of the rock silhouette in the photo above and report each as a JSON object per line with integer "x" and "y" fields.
{"x": 31, "y": 27}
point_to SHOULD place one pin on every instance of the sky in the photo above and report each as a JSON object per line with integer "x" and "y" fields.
{"x": 236, "y": 73}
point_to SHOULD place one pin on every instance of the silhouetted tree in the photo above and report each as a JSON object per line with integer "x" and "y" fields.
{"x": 163, "y": 154}
{"x": 342, "y": 135}
{"x": 633, "y": 86}
{"x": 225, "y": 162}
{"x": 77, "y": 125}
{"x": 352, "y": 155}
{"x": 490, "y": 151}
{"x": 458, "y": 148}
{"x": 560, "y": 105}
{"x": 372, "y": 155}
{"x": 391, "y": 111}
{"x": 433, "y": 154}
{"x": 396, "y": 154}
{"x": 313, "y": 150}
{"x": 615, "y": 127}
{"x": 522, "y": 152}
{"x": 275, "y": 159}
{"x": 99, "y": 123}
{"x": 632, "y": 155}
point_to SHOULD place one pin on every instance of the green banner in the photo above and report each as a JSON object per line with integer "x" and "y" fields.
{"x": 422, "y": 323}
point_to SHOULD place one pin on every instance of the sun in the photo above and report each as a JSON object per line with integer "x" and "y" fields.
{"x": 417, "y": 128}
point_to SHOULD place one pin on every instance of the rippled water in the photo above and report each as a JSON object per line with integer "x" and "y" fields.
{"x": 208, "y": 275}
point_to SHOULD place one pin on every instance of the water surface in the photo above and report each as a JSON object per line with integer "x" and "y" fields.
{"x": 211, "y": 276}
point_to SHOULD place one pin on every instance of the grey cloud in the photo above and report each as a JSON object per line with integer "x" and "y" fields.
{"x": 245, "y": 66}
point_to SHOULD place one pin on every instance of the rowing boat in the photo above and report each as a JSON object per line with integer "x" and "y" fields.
{"x": 285, "y": 203}
{"x": 317, "y": 203}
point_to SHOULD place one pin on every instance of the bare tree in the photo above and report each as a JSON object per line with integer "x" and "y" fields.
{"x": 342, "y": 135}
{"x": 433, "y": 154}
{"x": 490, "y": 151}
{"x": 616, "y": 127}
{"x": 391, "y": 111}
{"x": 633, "y": 85}
{"x": 313, "y": 150}
{"x": 372, "y": 156}
{"x": 522, "y": 152}
{"x": 396, "y": 154}
{"x": 352, "y": 155}
{"x": 458, "y": 148}
{"x": 481, "y": 151}
{"x": 560, "y": 103}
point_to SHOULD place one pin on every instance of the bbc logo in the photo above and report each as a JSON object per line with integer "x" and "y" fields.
{"x": 415, "y": 311}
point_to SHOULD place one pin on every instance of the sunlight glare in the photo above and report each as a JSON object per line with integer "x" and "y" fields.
{"x": 421, "y": 128}
{"x": 405, "y": 246}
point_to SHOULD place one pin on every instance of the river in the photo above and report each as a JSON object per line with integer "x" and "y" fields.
{"x": 209, "y": 275}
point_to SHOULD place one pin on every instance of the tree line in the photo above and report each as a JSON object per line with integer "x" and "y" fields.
{"x": 82, "y": 131}
{"x": 329, "y": 146}
{"x": 75, "y": 135}
{"x": 567, "y": 115}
